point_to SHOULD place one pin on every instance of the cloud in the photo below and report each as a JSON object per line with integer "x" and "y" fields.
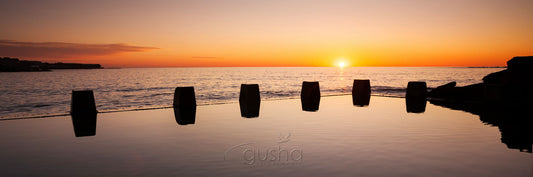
{"x": 62, "y": 49}
{"x": 204, "y": 57}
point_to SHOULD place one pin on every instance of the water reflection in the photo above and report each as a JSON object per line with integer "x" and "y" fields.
{"x": 415, "y": 105}
{"x": 513, "y": 121}
{"x": 84, "y": 124}
{"x": 185, "y": 115}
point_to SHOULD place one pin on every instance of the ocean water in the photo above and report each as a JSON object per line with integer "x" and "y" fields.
{"x": 31, "y": 94}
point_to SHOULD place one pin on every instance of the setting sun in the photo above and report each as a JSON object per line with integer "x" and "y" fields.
{"x": 341, "y": 64}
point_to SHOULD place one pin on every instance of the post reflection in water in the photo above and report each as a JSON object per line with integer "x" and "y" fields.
{"x": 415, "y": 105}
{"x": 185, "y": 116}
{"x": 84, "y": 125}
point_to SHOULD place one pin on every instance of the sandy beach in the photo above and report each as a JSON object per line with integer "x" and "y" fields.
{"x": 381, "y": 139}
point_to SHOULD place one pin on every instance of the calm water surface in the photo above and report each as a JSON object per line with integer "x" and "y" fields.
{"x": 339, "y": 139}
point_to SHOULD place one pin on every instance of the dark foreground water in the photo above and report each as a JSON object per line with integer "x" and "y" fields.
{"x": 339, "y": 139}
{"x": 27, "y": 94}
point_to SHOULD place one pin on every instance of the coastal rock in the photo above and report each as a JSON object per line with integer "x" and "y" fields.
{"x": 501, "y": 100}
{"x": 520, "y": 64}
{"x": 510, "y": 86}
{"x": 443, "y": 90}
{"x": 450, "y": 92}
{"x": 15, "y": 65}
{"x": 496, "y": 85}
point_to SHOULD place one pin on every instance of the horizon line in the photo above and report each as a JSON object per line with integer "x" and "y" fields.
{"x": 435, "y": 66}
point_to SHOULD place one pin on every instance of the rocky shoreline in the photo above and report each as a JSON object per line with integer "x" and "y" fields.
{"x": 509, "y": 86}
{"x": 503, "y": 99}
{"x": 15, "y": 65}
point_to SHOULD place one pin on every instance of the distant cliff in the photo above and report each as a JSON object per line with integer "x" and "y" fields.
{"x": 15, "y": 65}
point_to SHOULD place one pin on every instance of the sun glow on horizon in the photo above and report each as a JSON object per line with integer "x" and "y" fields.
{"x": 224, "y": 34}
{"x": 341, "y": 63}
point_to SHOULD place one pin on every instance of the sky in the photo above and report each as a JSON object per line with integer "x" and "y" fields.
{"x": 202, "y": 33}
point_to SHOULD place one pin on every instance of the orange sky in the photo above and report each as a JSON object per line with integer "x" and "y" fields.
{"x": 268, "y": 33}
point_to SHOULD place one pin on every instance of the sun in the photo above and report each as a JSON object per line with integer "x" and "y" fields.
{"x": 342, "y": 64}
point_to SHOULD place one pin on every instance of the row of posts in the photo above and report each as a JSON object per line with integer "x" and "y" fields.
{"x": 83, "y": 106}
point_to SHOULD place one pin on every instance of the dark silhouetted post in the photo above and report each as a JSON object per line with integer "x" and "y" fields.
{"x": 184, "y": 105}
{"x": 361, "y": 92}
{"x": 415, "y": 97}
{"x": 83, "y": 113}
{"x": 249, "y": 100}
{"x": 184, "y": 96}
{"x": 310, "y": 96}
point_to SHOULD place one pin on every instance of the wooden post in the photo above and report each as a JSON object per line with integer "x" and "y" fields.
{"x": 184, "y": 105}
{"x": 184, "y": 96}
{"x": 361, "y": 92}
{"x": 416, "y": 97}
{"x": 249, "y": 100}
{"x": 310, "y": 96}
{"x": 83, "y": 113}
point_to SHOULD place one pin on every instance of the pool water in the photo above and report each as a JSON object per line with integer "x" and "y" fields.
{"x": 381, "y": 139}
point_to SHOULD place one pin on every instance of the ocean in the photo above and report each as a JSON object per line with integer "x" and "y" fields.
{"x": 37, "y": 94}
